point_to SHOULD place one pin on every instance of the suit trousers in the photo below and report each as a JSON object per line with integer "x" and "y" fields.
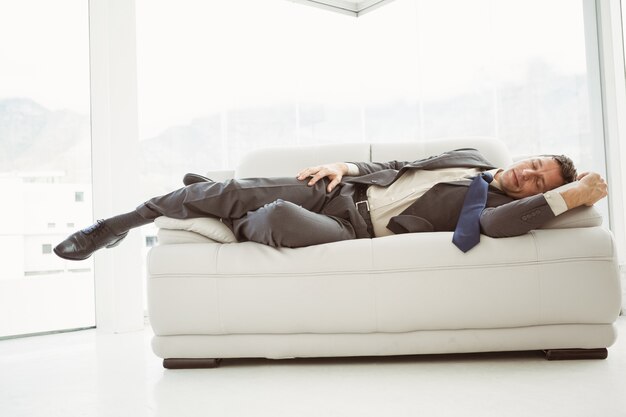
{"x": 281, "y": 212}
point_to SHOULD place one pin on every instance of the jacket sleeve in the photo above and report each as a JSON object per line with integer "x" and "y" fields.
{"x": 370, "y": 167}
{"x": 516, "y": 218}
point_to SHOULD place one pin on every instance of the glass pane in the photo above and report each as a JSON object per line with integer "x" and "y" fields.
{"x": 45, "y": 164}
{"x": 241, "y": 74}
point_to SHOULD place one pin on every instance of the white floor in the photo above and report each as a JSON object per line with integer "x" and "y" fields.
{"x": 93, "y": 374}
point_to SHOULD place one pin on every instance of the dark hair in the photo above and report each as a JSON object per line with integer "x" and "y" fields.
{"x": 568, "y": 170}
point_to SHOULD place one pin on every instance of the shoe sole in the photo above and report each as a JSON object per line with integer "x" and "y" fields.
{"x": 68, "y": 258}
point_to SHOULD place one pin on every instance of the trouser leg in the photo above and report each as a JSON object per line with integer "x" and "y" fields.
{"x": 233, "y": 199}
{"x": 285, "y": 224}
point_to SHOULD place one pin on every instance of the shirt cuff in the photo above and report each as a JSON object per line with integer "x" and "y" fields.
{"x": 353, "y": 170}
{"x": 556, "y": 202}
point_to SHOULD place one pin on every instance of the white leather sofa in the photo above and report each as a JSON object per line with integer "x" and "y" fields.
{"x": 556, "y": 289}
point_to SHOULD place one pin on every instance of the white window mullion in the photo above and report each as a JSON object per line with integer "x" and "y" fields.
{"x": 612, "y": 73}
{"x": 115, "y": 150}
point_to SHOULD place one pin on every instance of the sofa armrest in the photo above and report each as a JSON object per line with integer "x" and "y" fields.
{"x": 211, "y": 228}
{"x": 579, "y": 217}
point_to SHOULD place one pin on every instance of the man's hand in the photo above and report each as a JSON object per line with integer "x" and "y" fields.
{"x": 334, "y": 172}
{"x": 589, "y": 189}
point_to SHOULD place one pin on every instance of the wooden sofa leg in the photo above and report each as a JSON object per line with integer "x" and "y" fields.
{"x": 190, "y": 363}
{"x": 569, "y": 354}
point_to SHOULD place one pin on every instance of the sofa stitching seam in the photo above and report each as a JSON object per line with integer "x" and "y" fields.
{"x": 387, "y": 271}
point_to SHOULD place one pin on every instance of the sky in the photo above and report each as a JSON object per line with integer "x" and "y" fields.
{"x": 44, "y": 52}
{"x": 195, "y": 57}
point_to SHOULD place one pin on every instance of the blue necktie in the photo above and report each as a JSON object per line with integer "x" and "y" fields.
{"x": 467, "y": 231}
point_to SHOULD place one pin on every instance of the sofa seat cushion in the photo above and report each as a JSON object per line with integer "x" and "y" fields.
{"x": 393, "y": 284}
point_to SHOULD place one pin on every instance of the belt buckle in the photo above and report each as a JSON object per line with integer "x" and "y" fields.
{"x": 367, "y": 204}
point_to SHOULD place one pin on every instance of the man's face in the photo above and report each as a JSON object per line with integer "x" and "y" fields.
{"x": 530, "y": 176}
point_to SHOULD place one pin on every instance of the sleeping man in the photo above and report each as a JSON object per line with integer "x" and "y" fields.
{"x": 341, "y": 201}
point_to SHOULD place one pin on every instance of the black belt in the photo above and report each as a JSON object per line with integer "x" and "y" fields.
{"x": 363, "y": 206}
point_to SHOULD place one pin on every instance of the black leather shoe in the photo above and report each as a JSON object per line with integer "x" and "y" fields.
{"x": 190, "y": 178}
{"x": 82, "y": 244}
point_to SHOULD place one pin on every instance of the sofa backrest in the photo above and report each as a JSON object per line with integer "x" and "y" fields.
{"x": 288, "y": 160}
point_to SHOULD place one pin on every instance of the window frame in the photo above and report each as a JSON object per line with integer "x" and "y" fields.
{"x": 115, "y": 141}
{"x": 612, "y": 67}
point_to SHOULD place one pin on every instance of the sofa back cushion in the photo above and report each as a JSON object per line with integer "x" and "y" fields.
{"x": 289, "y": 160}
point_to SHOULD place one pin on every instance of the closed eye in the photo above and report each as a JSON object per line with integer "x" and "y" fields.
{"x": 537, "y": 164}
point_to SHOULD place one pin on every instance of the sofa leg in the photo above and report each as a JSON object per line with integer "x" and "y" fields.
{"x": 568, "y": 354}
{"x": 190, "y": 363}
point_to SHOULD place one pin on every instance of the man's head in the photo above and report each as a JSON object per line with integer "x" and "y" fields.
{"x": 536, "y": 175}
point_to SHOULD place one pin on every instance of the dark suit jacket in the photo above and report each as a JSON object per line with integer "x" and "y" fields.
{"x": 439, "y": 208}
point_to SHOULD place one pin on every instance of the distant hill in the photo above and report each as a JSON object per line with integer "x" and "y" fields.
{"x": 547, "y": 113}
{"x": 35, "y": 138}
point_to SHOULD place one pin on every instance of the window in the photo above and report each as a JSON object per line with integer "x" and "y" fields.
{"x": 79, "y": 196}
{"x": 45, "y": 142}
{"x": 408, "y": 71}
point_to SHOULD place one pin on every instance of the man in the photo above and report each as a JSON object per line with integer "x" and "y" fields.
{"x": 343, "y": 201}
